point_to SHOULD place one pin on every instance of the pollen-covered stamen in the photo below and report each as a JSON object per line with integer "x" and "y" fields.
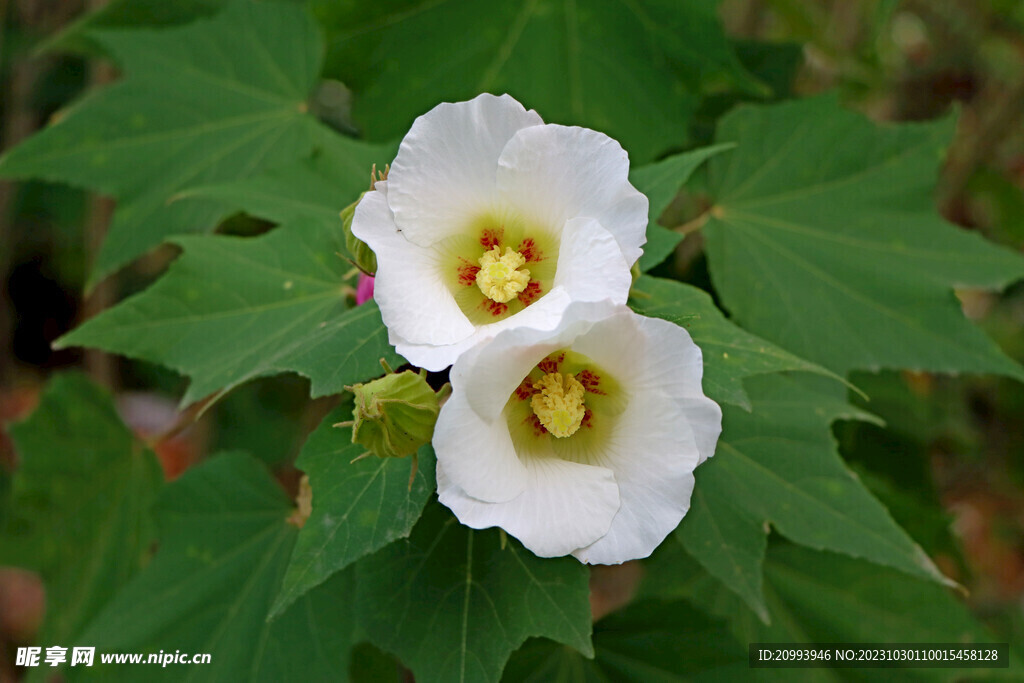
{"x": 500, "y": 277}
{"x": 559, "y": 403}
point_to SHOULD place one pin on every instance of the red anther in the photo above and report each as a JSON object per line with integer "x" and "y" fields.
{"x": 467, "y": 274}
{"x": 491, "y": 237}
{"x": 530, "y": 294}
{"x": 530, "y": 251}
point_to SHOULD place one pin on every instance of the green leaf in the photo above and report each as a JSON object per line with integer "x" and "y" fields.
{"x": 358, "y": 507}
{"x": 647, "y": 641}
{"x": 774, "y": 64}
{"x": 224, "y": 546}
{"x": 823, "y": 597}
{"x": 79, "y": 503}
{"x": 263, "y": 418}
{"x": 127, "y": 14}
{"x": 824, "y": 239}
{"x": 231, "y": 308}
{"x": 453, "y": 603}
{"x": 317, "y": 188}
{"x": 833, "y": 598}
{"x": 211, "y": 101}
{"x": 661, "y": 182}
{"x": 778, "y": 465}
{"x": 631, "y": 70}
{"x": 730, "y": 354}
{"x": 728, "y": 541}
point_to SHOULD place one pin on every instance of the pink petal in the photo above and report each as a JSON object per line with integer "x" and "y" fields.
{"x": 364, "y": 290}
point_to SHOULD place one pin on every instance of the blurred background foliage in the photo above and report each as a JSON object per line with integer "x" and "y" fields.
{"x": 949, "y": 462}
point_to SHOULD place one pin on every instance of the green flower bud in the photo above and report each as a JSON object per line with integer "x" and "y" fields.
{"x": 361, "y": 254}
{"x": 395, "y": 415}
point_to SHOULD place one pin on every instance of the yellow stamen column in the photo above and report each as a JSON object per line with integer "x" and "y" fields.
{"x": 559, "y": 405}
{"x": 499, "y": 277}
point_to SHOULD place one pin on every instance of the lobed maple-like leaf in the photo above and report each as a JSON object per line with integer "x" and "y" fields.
{"x": 232, "y": 308}
{"x": 822, "y": 597}
{"x": 317, "y": 188}
{"x": 778, "y": 465}
{"x": 824, "y": 239}
{"x": 79, "y": 508}
{"x": 661, "y": 181}
{"x": 225, "y": 539}
{"x": 453, "y": 603}
{"x": 649, "y": 640}
{"x": 358, "y": 507}
{"x": 214, "y": 100}
{"x": 630, "y": 69}
{"x": 730, "y": 354}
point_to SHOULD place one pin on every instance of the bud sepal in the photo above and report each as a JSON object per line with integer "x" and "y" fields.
{"x": 361, "y": 254}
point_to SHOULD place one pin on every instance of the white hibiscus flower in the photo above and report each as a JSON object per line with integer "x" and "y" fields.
{"x": 580, "y": 439}
{"x": 491, "y": 219}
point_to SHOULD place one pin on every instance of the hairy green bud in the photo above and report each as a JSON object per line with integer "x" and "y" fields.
{"x": 361, "y": 254}
{"x": 395, "y": 415}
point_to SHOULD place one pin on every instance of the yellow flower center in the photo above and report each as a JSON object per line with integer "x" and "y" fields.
{"x": 559, "y": 405}
{"x": 499, "y": 277}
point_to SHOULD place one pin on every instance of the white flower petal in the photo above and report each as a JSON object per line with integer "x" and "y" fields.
{"x": 650, "y": 449}
{"x": 663, "y": 358}
{"x": 561, "y": 172}
{"x": 499, "y": 366}
{"x": 653, "y": 456}
{"x": 617, "y": 344}
{"x": 590, "y": 263}
{"x": 565, "y": 505}
{"x": 545, "y": 314}
{"x": 675, "y": 366}
{"x": 414, "y": 301}
{"x": 649, "y": 512}
{"x": 464, "y": 166}
{"x": 705, "y": 418}
{"x": 444, "y": 173}
{"x": 675, "y": 350}
{"x": 479, "y": 456}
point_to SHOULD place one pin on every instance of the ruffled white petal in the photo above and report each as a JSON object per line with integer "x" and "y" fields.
{"x": 545, "y": 314}
{"x": 565, "y": 505}
{"x": 559, "y": 172}
{"x": 463, "y": 162}
{"x": 675, "y": 366}
{"x": 590, "y": 269}
{"x": 616, "y": 343}
{"x": 674, "y": 350}
{"x": 653, "y": 455}
{"x": 662, "y": 358}
{"x": 591, "y": 266}
{"x": 667, "y": 429}
{"x": 445, "y": 172}
{"x": 705, "y": 418}
{"x": 498, "y": 367}
{"x": 650, "y": 511}
{"x": 479, "y": 457}
{"x": 675, "y": 431}
{"x": 414, "y": 301}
